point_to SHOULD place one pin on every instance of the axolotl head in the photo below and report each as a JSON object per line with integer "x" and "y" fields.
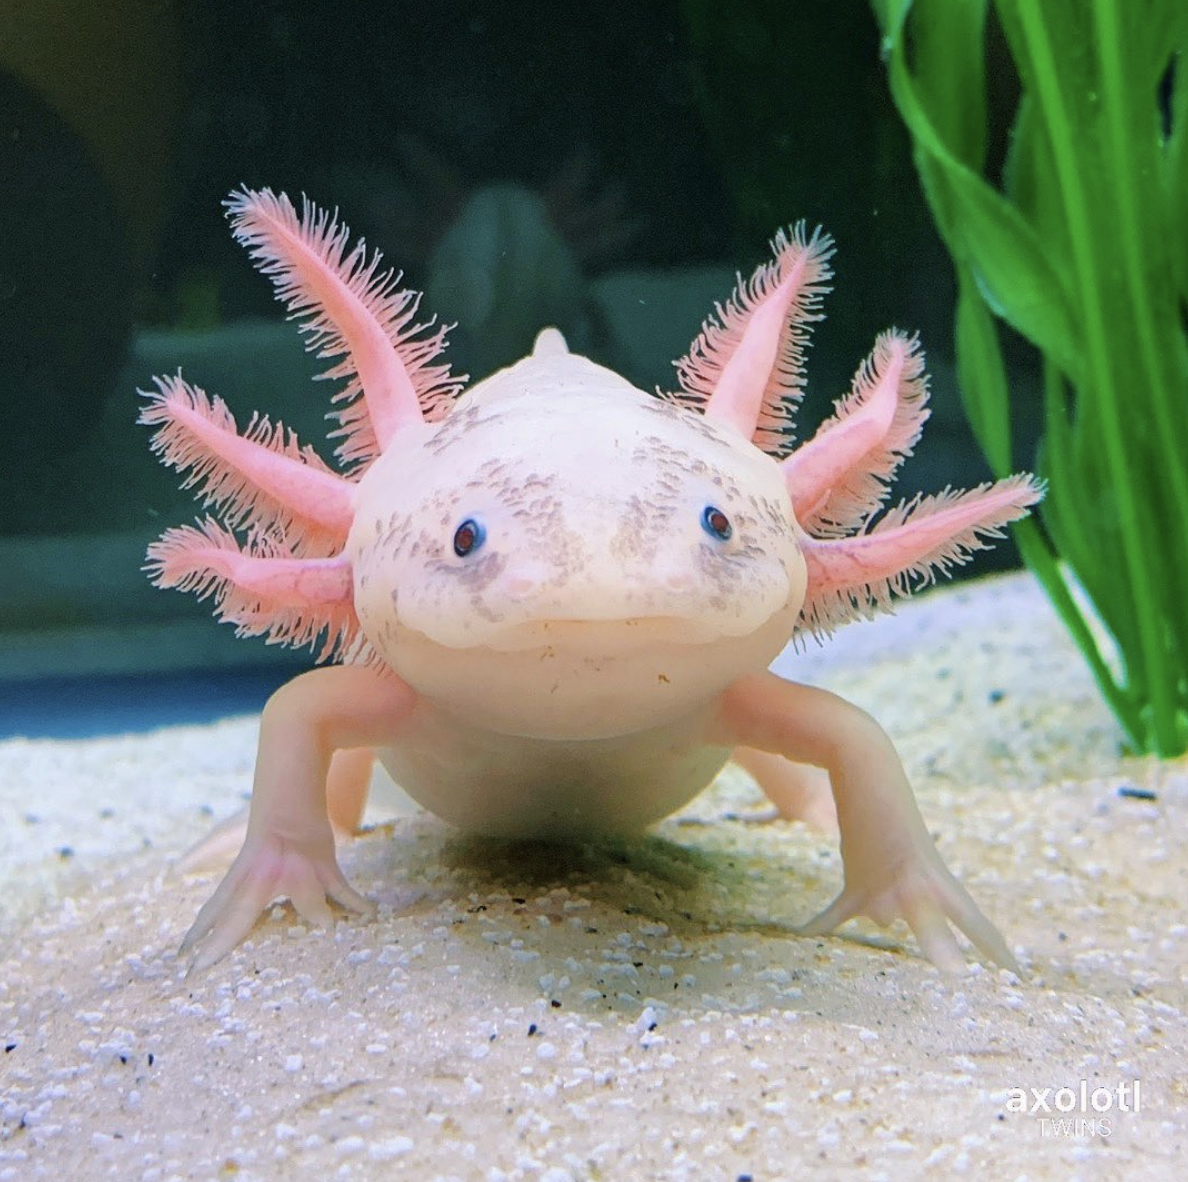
{"x": 566, "y": 556}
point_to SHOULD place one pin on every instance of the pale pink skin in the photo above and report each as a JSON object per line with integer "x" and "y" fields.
{"x": 596, "y": 660}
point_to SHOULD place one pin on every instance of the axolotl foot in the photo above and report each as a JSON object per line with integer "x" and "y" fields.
{"x": 268, "y": 868}
{"x": 922, "y": 891}
{"x": 288, "y": 848}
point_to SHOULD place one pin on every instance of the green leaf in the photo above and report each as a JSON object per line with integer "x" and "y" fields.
{"x": 1005, "y": 256}
{"x": 950, "y": 73}
{"x": 982, "y": 376}
{"x": 1175, "y": 152}
{"x": 984, "y": 231}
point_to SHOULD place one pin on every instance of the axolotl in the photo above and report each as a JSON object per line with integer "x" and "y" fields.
{"x": 548, "y": 603}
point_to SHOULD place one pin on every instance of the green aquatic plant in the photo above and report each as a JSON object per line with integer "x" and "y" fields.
{"x": 1081, "y": 246}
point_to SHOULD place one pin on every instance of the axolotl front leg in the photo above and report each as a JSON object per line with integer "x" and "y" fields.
{"x": 289, "y": 846}
{"x": 892, "y": 868}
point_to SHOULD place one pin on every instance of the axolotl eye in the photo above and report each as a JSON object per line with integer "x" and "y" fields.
{"x": 468, "y": 537}
{"x": 716, "y": 523}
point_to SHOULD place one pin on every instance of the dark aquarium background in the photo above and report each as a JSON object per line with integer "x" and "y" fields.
{"x": 603, "y": 167}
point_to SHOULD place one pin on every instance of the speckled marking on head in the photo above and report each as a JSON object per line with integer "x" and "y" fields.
{"x": 532, "y": 500}
{"x": 641, "y": 525}
{"x": 466, "y": 417}
{"x": 664, "y": 490}
{"x": 685, "y": 418}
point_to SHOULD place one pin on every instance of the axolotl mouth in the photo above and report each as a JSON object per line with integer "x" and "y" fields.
{"x": 521, "y": 627}
{"x": 579, "y": 679}
{"x": 602, "y": 637}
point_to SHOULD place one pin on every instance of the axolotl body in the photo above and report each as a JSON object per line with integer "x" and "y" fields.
{"x": 551, "y": 600}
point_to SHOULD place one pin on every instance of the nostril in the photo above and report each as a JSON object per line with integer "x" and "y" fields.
{"x": 677, "y": 580}
{"x": 525, "y": 579}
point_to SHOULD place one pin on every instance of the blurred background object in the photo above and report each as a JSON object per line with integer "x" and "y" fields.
{"x": 89, "y": 103}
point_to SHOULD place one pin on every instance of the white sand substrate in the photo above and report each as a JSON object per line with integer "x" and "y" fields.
{"x": 640, "y": 1011}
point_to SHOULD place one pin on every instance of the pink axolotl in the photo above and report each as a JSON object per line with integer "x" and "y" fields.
{"x": 552, "y": 599}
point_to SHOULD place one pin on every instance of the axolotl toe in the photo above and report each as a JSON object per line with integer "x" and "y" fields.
{"x": 548, "y": 602}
